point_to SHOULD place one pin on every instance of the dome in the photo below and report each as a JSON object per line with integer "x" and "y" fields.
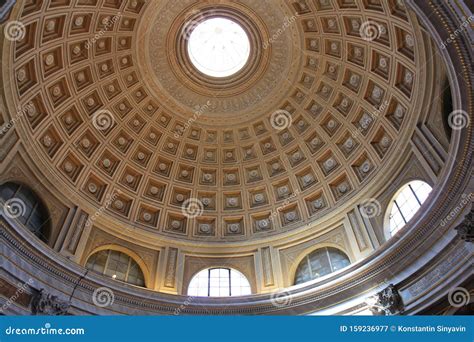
{"x": 312, "y": 122}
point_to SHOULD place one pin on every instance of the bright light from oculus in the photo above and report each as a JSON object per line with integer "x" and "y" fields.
{"x": 218, "y": 47}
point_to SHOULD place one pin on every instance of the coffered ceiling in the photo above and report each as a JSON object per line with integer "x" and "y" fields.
{"x": 112, "y": 111}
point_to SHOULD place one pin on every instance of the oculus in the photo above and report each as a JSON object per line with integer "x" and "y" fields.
{"x": 218, "y": 47}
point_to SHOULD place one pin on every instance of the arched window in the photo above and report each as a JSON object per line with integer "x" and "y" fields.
{"x": 320, "y": 263}
{"x": 116, "y": 265}
{"x": 219, "y": 282}
{"x": 20, "y": 203}
{"x": 406, "y": 203}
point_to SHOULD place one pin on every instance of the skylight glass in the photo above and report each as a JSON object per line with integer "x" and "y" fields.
{"x": 219, "y": 47}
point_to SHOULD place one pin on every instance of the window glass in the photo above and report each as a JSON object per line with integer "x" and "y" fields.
{"x": 219, "y": 282}
{"x": 338, "y": 260}
{"x": 319, "y": 263}
{"x": 116, "y": 265}
{"x": 407, "y": 203}
{"x": 21, "y": 204}
{"x": 218, "y": 47}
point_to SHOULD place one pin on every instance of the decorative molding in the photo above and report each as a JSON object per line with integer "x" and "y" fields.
{"x": 268, "y": 279}
{"x": 338, "y": 239}
{"x": 171, "y": 267}
{"x": 77, "y": 232}
{"x": 466, "y": 228}
{"x": 357, "y": 229}
{"x": 455, "y": 258}
{"x": 426, "y": 151}
{"x": 43, "y": 303}
{"x": 306, "y": 299}
{"x": 387, "y": 302}
{"x": 8, "y": 142}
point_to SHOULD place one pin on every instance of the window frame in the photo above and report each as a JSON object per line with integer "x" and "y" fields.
{"x": 229, "y": 277}
{"x": 388, "y": 232}
{"x": 131, "y": 257}
{"x": 306, "y": 259}
{"x": 38, "y": 207}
